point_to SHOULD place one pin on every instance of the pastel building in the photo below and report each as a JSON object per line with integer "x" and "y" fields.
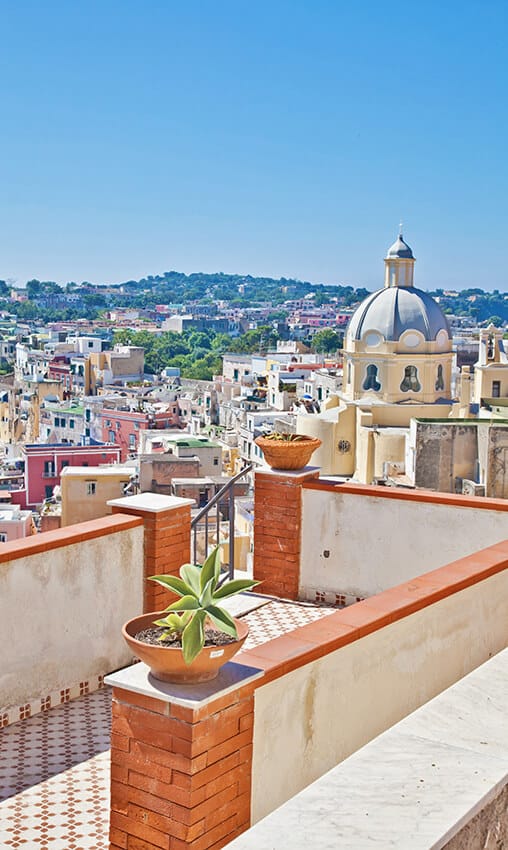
{"x": 44, "y": 464}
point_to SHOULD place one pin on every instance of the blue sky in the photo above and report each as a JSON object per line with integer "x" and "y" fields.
{"x": 277, "y": 138}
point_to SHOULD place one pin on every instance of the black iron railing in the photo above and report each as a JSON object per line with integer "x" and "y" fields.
{"x": 224, "y": 504}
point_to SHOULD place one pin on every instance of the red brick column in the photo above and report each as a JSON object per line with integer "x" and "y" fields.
{"x": 167, "y": 543}
{"x": 277, "y": 529}
{"x": 180, "y": 775}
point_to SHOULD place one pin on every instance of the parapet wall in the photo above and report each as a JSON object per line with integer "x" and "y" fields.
{"x": 333, "y": 685}
{"x": 65, "y": 596}
{"x": 357, "y": 541}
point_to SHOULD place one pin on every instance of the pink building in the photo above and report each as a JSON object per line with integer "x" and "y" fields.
{"x": 123, "y": 426}
{"x": 44, "y": 463}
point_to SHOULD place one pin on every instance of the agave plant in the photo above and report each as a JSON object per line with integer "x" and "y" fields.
{"x": 200, "y": 588}
{"x": 285, "y": 438}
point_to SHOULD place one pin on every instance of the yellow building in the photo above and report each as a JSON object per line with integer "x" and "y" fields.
{"x": 397, "y": 365}
{"x": 86, "y": 490}
{"x": 491, "y": 371}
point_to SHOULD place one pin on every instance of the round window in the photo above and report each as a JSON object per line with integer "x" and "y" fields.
{"x": 442, "y": 339}
{"x": 373, "y": 338}
{"x": 411, "y": 340}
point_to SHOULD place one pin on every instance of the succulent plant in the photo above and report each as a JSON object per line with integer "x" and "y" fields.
{"x": 200, "y": 588}
{"x": 286, "y": 438}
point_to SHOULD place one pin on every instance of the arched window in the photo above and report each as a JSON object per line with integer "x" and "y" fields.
{"x": 371, "y": 382}
{"x": 439, "y": 379}
{"x": 410, "y": 380}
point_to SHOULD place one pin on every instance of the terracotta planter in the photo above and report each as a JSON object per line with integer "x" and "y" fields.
{"x": 284, "y": 454}
{"x": 166, "y": 662}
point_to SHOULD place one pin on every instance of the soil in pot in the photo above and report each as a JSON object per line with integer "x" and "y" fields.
{"x": 213, "y": 637}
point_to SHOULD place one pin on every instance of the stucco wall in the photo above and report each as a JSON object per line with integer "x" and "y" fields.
{"x": 62, "y": 612}
{"x": 309, "y": 720}
{"x": 375, "y": 543}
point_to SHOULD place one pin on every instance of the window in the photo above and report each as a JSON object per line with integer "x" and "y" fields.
{"x": 108, "y": 423}
{"x": 49, "y": 469}
{"x": 410, "y": 380}
{"x": 3, "y": 537}
{"x": 88, "y": 414}
{"x": 91, "y": 488}
{"x": 320, "y": 393}
{"x": 71, "y": 423}
{"x": 64, "y": 464}
{"x": 87, "y": 432}
{"x": 371, "y": 382}
{"x": 118, "y": 426}
{"x": 90, "y": 343}
{"x": 57, "y": 422}
{"x": 62, "y": 423}
{"x": 112, "y": 436}
{"x": 490, "y": 350}
{"x": 132, "y": 441}
{"x": 496, "y": 389}
{"x": 235, "y": 374}
{"x": 48, "y": 491}
{"x": 85, "y": 463}
{"x": 216, "y": 461}
{"x": 439, "y": 379}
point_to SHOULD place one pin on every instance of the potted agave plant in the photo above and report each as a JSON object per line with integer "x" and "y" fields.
{"x": 193, "y": 637}
{"x": 287, "y": 451}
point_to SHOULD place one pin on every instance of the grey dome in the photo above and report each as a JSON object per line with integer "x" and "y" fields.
{"x": 400, "y": 249}
{"x": 396, "y": 309}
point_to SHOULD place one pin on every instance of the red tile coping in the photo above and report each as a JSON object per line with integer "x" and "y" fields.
{"x": 429, "y": 496}
{"x": 314, "y": 640}
{"x": 67, "y": 536}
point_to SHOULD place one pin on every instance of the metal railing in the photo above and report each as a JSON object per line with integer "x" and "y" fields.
{"x": 225, "y": 497}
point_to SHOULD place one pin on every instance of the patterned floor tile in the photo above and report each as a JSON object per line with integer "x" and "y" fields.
{"x": 278, "y": 618}
{"x": 54, "y": 778}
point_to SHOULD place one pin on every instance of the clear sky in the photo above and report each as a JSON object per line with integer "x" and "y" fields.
{"x": 278, "y": 138}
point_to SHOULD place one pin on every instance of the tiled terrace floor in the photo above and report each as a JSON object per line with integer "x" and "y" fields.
{"x": 54, "y": 767}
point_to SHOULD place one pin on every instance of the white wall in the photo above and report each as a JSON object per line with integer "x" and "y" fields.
{"x": 376, "y": 543}
{"x": 62, "y": 613}
{"x": 311, "y": 719}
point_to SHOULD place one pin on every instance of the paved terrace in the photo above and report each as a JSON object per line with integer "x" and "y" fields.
{"x": 54, "y": 767}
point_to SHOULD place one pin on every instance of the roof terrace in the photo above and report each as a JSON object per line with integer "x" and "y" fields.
{"x": 381, "y": 600}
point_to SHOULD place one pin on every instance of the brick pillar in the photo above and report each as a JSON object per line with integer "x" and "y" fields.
{"x": 277, "y": 529}
{"x": 180, "y": 768}
{"x": 167, "y": 543}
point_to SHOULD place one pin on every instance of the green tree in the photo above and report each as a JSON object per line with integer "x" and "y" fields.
{"x": 326, "y": 341}
{"x": 33, "y": 288}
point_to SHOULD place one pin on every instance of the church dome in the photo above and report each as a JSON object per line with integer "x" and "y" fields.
{"x": 400, "y": 250}
{"x": 394, "y": 310}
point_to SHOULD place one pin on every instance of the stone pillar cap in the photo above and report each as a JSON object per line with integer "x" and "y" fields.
{"x": 150, "y": 502}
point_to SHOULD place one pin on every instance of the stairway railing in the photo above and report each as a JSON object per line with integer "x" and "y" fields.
{"x": 225, "y": 496}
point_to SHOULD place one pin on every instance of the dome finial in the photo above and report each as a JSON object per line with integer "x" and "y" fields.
{"x": 400, "y": 229}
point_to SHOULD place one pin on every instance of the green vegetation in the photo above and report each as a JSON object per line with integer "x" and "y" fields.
{"x": 200, "y": 590}
{"x": 326, "y": 341}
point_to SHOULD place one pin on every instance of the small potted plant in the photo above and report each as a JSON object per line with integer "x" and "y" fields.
{"x": 197, "y": 636}
{"x": 287, "y": 451}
